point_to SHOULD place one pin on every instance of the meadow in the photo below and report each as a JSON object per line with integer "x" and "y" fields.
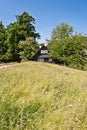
{"x": 42, "y": 96}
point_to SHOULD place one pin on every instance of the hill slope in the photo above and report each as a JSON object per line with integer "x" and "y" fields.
{"x": 42, "y": 96}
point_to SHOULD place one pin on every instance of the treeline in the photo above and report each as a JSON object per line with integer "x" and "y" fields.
{"x": 67, "y": 47}
{"x": 18, "y": 39}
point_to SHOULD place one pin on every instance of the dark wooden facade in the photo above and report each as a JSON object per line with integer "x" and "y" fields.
{"x": 42, "y": 55}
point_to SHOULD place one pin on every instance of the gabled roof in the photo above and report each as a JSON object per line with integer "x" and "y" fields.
{"x": 41, "y": 55}
{"x": 42, "y": 48}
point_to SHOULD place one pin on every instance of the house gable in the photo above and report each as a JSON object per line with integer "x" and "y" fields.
{"x": 42, "y": 55}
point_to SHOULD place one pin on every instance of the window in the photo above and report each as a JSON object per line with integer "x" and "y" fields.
{"x": 44, "y": 51}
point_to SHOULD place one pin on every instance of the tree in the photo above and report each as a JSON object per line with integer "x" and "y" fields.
{"x": 3, "y": 47}
{"x": 12, "y": 42}
{"x": 69, "y": 51}
{"x": 17, "y": 31}
{"x": 28, "y": 48}
{"x": 26, "y": 23}
{"x": 61, "y": 31}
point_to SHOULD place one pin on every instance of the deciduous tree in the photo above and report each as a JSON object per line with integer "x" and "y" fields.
{"x": 61, "y": 31}
{"x": 3, "y": 47}
{"x": 28, "y": 48}
{"x": 17, "y": 31}
{"x": 70, "y": 51}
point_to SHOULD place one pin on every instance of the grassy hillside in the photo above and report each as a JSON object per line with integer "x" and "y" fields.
{"x": 41, "y": 96}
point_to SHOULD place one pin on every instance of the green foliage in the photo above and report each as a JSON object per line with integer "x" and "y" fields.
{"x": 28, "y": 48}
{"x": 26, "y": 21}
{"x": 18, "y": 31}
{"x": 69, "y": 51}
{"x": 12, "y": 43}
{"x": 61, "y": 31}
{"x": 3, "y": 47}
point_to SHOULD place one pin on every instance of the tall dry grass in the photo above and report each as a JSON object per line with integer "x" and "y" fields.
{"x": 42, "y": 96}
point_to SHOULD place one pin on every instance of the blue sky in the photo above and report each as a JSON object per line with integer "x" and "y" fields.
{"x": 47, "y": 13}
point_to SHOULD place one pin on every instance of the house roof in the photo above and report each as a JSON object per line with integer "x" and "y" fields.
{"x": 42, "y": 54}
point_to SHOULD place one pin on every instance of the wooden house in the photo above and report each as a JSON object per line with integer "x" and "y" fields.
{"x": 42, "y": 55}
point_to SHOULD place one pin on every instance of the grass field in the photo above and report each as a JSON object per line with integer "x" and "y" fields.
{"x": 42, "y": 96}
